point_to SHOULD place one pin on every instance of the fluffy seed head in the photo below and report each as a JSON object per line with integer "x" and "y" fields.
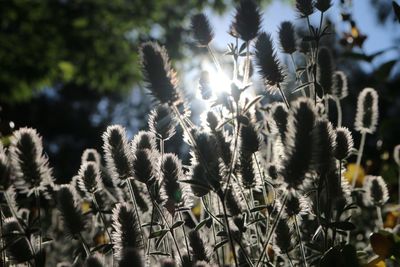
{"x": 160, "y": 77}
{"x": 201, "y": 29}
{"x": 144, "y": 166}
{"x": 246, "y": 170}
{"x": 249, "y": 139}
{"x": 283, "y": 236}
{"x": 28, "y": 161}
{"x": 304, "y": 7}
{"x": 323, "y": 5}
{"x": 212, "y": 120}
{"x": 267, "y": 61}
{"x": 339, "y": 85}
{"x": 91, "y": 154}
{"x": 280, "y": 115}
{"x": 325, "y": 70}
{"x": 376, "y": 192}
{"x": 4, "y": 166}
{"x": 70, "y": 209}
{"x": 233, "y": 202}
{"x": 126, "y": 229}
{"x": 247, "y": 20}
{"x": 198, "y": 249}
{"x": 200, "y": 186}
{"x": 89, "y": 177}
{"x": 367, "y": 111}
{"x": 17, "y": 244}
{"x": 296, "y": 205}
{"x": 344, "y": 143}
{"x": 93, "y": 261}
{"x": 287, "y": 37}
{"x": 162, "y": 122}
{"x": 131, "y": 257}
{"x": 117, "y": 153}
{"x": 144, "y": 140}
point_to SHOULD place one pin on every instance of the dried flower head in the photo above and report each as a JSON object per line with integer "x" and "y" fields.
{"x": 70, "y": 208}
{"x": 29, "y": 162}
{"x": 162, "y": 122}
{"x": 287, "y": 37}
{"x": 344, "y": 143}
{"x": 144, "y": 166}
{"x": 325, "y": 70}
{"x": 233, "y": 201}
{"x": 201, "y": 29}
{"x": 89, "y": 178}
{"x": 304, "y": 7}
{"x": 324, "y": 144}
{"x": 284, "y": 236}
{"x": 367, "y": 111}
{"x": 323, "y": 5}
{"x": 280, "y": 114}
{"x": 117, "y": 153}
{"x": 131, "y": 257}
{"x": 126, "y": 229}
{"x": 298, "y": 158}
{"x": 16, "y": 243}
{"x": 249, "y": 139}
{"x": 199, "y": 250}
{"x": 160, "y": 77}
{"x": 296, "y": 205}
{"x": 144, "y": 140}
{"x": 93, "y": 261}
{"x": 376, "y": 192}
{"x": 198, "y": 176}
{"x": 247, "y": 20}
{"x": 268, "y": 62}
{"x": 92, "y": 155}
{"x": 339, "y": 85}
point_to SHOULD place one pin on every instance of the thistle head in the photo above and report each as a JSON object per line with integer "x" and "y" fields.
{"x": 325, "y": 70}
{"x": 162, "y": 122}
{"x": 376, "y": 192}
{"x": 201, "y": 29}
{"x": 344, "y": 143}
{"x": 117, "y": 153}
{"x": 324, "y": 144}
{"x": 91, "y": 155}
{"x": 367, "y": 111}
{"x": 144, "y": 140}
{"x": 339, "y": 85}
{"x": 267, "y": 61}
{"x": 304, "y": 7}
{"x": 249, "y": 139}
{"x": 323, "y": 5}
{"x": 247, "y": 22}
{"x": 280, "y": 115}
{"x": 89, "y": 178}
{"x": 287, "y": 37}
{"x": 126, "y": 233}
{"x": 144, "y": 166}
{"x": 160, "y": 77}
{"x": 4, "y": 166}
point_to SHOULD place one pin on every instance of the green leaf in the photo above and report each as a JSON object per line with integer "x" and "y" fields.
{"x": 301, "y": 86}
{"x": 202, "y": 223}
{"x": 158, "y": 233}
{"x": 258, "y": 208}
{"x": 252, "y": 102}
{"x": 177, "y": 224}
{"x": 220, "y": 244}
{"x": 346, "y": 226}
{"x": 160, "y": 253}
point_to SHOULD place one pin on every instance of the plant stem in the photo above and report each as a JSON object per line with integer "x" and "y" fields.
{"x": 184, "y": 233}
{"x": 101, "y": 216}
{"x": 134, "y": 203}
{"x": 297, "y": 77}
{"x": 380, "y": 219}
{"x": 359, "y": 156}
{"x": 303, "y": 254}
{"x": 85, "y": 247}
{"x": 247, "y": 64}
{"x": 214, "y": 58}
{"x": 339, "y": 112}
{"x": 283, "y": 96}
{"x": 228, "y": 229}
{"x": 37, "y": 198}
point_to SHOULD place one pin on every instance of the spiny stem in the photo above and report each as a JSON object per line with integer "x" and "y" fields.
{"x": 359, "y": 156}
{"x": 303, "y": 254}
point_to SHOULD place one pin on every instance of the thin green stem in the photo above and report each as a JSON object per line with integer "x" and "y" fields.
{"x": 38, "y": 207}
{"x": 229, "y": 230}
{"x": 101, "y": 216}
{"x": 380, "y": 219}
{"x": 184, "y": 234}
{"x": 339, "y": 112}
{"x": 134, "y": 203}
{"x": 359, "y": 156}
{"x": 247, "y": 64}
{"x": 283, "y": 96}
{"x": 214, "y": 58}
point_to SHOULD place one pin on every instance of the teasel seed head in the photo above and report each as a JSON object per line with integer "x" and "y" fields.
{"x": 396, "y": 154}
{"x": 287, "y": 37}
{"x": 144, "y": 166}
{"x": 246, "y": 170}
{"x": 283, "y": 236}
{"x": 162, "y": 122}
{"x": 233, "y": 201}
{"x": 69, "y": 206}
{"x": 323, "y": 5}
{"x": 89, "y": 178}
{"x": 344, "y": 143}
{"x": 325, "y": 70}
{"x": 28, "y": 161}
{"x": 280, "y": 114}
{"x": 367, "y": 111}
{"x": 126, "y": 233}
{"x": 376, "y": 192}
{"x": 212, "y": 121}
{"x": 304, "y": 7}
{"x": 298, "y": 158}
{"x": 324, "y": 144}
{"x": 160, "y": 77}
{"x": 249, "y": 139}
{"x": 93, "y": 261}
{"x": 16, "y": 243}
{"x": 268, "y": 62}
{"x": 247, "y": 22}
{"x": 339, "y": 85}
{"x": 117, "y": 152}
{"x": 296, "y": 205}
{"x": 130, "y": 257}
{"x": 201, "y": 29}
{"x": 197, "y": 174}
{"x": 176, "y": 194}
{"x": 91, "y": 155}
{"x": 199, "y": 250}
{"x": 144, "y": 140}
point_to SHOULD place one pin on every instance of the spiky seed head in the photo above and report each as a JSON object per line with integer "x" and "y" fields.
{"x": 325, "y": 70}
{"x": 304, "y": 7}
{"x": 160, "y": 77}
{"x": 126, "y": 229}
{"x": 91, "y": 154}
{"x": 233, "y": 202}
{"x": 28, "y": 161}
{"x": 205, "y": 85}
{"x": 296, "y": 205}
{"x": 323, "y": 5}
{"x": 367, "y": 111}
{"x": 247, "y": 21}
{"x": 93, "y": 261}
{"x": 68, "y": 204}
{"x": 249, "y": 139}
{"x": 376, "y": 191}
{"x": 283, "y": 236}
{"x": 168, "y": 263}
{"x": 287, "y": 37}
{"x": 344, "y": 143}
{"x": 162, "y": 122}
{"x": 280, "y": 114}
{"x": 324, "y": 144}
{"x": 4, "y": 166}
{"x": 246, "y": 170}
{"x": 200, "y": 186}
{"x": 89, "y": 177}
{"x": 267, "y": 61}
{"x": 201, "y": 29}
{"x": 144, "y": 166}
{"x": 396, "y": 154}
{"x": 15, "y": 241}
{"x": 117, "y": 152}
{"x": 144, "y": 140}
{"x": 339, "y": 85}
{"x": 212, "y": 120}
{"x": 131, "y": 257}
{"x": 198, "y": 248}
{"x": 273, "y": 171}
{"x": 298, "y": 158}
